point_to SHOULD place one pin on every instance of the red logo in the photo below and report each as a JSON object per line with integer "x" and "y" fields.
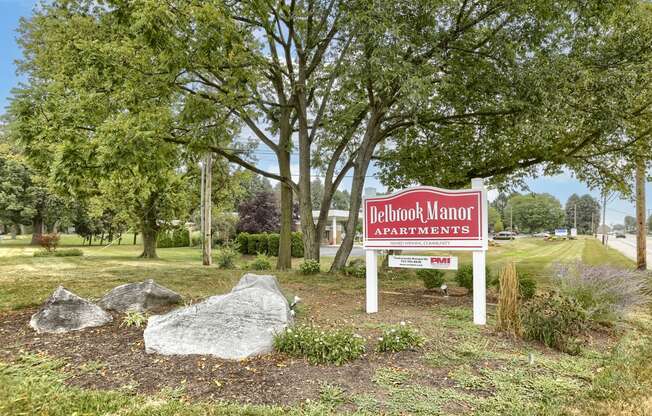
{"x": 425, "y": 217}
{"x": 440, "y": 260}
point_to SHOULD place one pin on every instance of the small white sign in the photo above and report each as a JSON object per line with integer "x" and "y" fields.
{"x": 573, "y": 232}
{"x": 561, "y": 232}
{"x": 424, "y": 262}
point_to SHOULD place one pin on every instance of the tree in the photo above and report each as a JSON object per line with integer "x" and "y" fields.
{"x": 588, "y": 213}
{"x": 536, "y": 212}
{"x": 630, "y": 224}
{"x": 259, "y": 214}
{"x": 494, "y": 217}
{"x": 317, "y": 193}
{"x": 341, "y": 200}
{"x": 618, "y": 227}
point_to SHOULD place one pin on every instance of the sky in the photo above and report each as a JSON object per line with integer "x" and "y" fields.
{"x": 560, "y": 186}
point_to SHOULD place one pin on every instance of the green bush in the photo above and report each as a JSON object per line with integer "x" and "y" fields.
{"x": 176, "y": 237}
{"x": 398, "y": 338}
{"x": 355, "y": 268}
{"x": 272, "y": 244}
{"x": 262, "y": 244}
{"x": 297, "y": 244}
{"x": 309, "y": 267}
{"x": 605, "y": 292}
{"x": 527, "y": 286}
{"x": 334, "y": 346}
{"x": 464, "y": 276}
{"x": 432, "y": 278}
{"x": 66, "y": 252}
{"x": 261, "y": 262}
{"x": 242, "y": 241}
{"x": 555, "y": 320}
{"x": 225, "y": 257}
{"x": 252, "y": 244}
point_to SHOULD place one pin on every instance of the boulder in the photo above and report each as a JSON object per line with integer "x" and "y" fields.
{"x": 139, "y": 297}
{"x": 236, "y": 325}
{"x": 64, "y": 311}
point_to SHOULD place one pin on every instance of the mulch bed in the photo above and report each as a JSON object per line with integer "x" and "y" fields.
{"x": 111, "y": 357}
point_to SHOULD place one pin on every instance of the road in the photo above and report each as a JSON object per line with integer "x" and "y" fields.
{"x": 627, "y": 246}
{"x": 330, "y": 251}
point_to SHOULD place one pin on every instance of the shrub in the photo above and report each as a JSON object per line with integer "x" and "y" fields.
{"x": 261, "y": 262}
{"x": 272, "y": 244}
{"x": 334, "y": 346}
{"x": 309, "y": 267}
{"x": 554, "y": 319}
{"x": 398, "y": 338}
{"x": 527, "y": 286}
{"x": 226, "y": 257}
{"x": 252, "y": 244}
{"x": 355, "y": 268}
{"x": 133, "y": 318}
{"x": 69, "y": 252}
{"x": 464, "y": 276}
{"x": 508, "y": 300}
{"x": 242, "y": 241}
{"x": 49, "y": 242}
{"x": 605, "y": 292}
{"x": 262, "y": 246}
{"x": 297, "y": 244}
{"x": 176, "y": 237}
{"x": 432, "y": 278}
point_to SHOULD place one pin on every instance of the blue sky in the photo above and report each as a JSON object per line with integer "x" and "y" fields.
{"x": 561, "y": 186}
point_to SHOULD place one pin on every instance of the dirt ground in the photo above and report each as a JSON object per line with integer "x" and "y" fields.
{"x": 114, "y": 357}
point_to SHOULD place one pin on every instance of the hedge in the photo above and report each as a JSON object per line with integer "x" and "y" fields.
{"x": 272, "y": 244}
{"x": 268, "y": 243}
{"x": 173, "y": 238}
{"x": 242, "y": 241}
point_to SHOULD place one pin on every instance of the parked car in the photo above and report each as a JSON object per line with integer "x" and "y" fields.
{"x": 620, "y": 235}
{"x": 541, "y": 235}
{"x": 504, "y": 235}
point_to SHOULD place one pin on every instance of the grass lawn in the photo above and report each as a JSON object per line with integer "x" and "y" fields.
{"x": 462, "y": 369}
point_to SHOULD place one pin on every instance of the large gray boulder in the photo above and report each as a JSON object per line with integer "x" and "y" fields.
{"x": 64, "y": 311}
{"x": 236, "y": 325}
{"x": 139, "y": 297}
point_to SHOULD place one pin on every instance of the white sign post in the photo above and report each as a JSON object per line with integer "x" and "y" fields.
{"x": 427, "y": 218}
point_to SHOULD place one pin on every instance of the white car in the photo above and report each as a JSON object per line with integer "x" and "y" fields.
{"x": 541, "y": 235}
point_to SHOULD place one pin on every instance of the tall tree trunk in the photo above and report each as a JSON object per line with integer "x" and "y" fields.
{"x": 641, "y": 234}
{"x": 207, "y": 241}
{"x": 135, "y": 237}
{"x": 37, "y": 232}
{"x": 284, "y": 260}
{"x": 357, "y": 187}
{"x": 149, "y": 230}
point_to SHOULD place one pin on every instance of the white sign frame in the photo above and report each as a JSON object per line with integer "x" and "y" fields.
{"x": 479, "y": 259}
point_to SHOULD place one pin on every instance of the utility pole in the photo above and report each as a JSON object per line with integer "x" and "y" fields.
{"x": 604, "y": 217}
{"x": 575, "y": 221}
{"x": 511, "y": 219}
{"x": 207, "y": 177}
{"x": 641, "y": 238}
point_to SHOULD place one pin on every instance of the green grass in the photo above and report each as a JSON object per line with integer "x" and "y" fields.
{"x": 480, "y": 372}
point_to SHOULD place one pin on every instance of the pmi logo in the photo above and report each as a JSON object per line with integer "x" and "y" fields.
{"x": 440, "y": 260}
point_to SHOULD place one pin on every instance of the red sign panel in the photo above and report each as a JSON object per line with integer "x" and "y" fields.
{"x": 427, "y": 218}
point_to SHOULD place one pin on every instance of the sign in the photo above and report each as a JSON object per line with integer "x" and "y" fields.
{"x": 561, "y": 232}
{"x": 573, "y": 232}
{"x": 423, "y": 262}
{"x": 426, "y": 218}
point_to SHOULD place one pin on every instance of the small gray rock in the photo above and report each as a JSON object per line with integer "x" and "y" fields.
{"x": 64, "y": 311}
{"x": 139, "y": 297}
{"x": 236, "y": 325}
